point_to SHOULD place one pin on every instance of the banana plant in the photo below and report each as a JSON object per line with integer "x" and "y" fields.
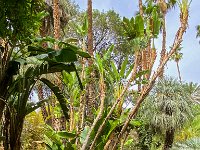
{"x": 117, "y": 79}
{"x": 20, "y": 88}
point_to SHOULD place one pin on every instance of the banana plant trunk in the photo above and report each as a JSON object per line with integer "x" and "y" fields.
{"x": 13, "y": 127}
{"x": 169, "y": 139}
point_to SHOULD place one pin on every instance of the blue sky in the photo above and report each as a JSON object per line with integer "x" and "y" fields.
{"x": 190, "y": 64}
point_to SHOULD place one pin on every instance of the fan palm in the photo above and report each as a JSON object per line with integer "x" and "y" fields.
{"x": 169, "y": 107}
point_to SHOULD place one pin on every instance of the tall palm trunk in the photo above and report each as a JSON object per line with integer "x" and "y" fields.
{"x": 56, "y": 18}
{"x": 141, "y": 7}
{"x": 91, "y": 94}
{"x": 163, "y": 51}
{"x": 169, "y": 139}
{"x": 57, "y": 123}
{"x": 90, "y": 32}
{"x": 163, "y": 7}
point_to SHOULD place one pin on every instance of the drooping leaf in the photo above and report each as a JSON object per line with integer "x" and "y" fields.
{"x": 83, "y": 54}
{"x": 66, "y": 55}
{"x": 52, "y": 67}
{"x": 37, "y": 50}
{"x": 60, "y": 97}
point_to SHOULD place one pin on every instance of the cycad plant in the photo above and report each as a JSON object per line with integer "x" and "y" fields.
{"x": 169, "y": 107}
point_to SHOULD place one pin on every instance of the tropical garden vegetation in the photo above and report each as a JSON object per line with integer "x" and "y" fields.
{"x": 92, "y": 80}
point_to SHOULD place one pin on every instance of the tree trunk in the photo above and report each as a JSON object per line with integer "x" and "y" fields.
{"x": 90, "y": 32}
{"x": 178, "y": 69}
{"x": 163, "y": 51}
{"x": 15, "y": 133}
{"x": 56, "y": 18}
{"x": 141, "y": 7}
{"x": 91, "y": 87}
{"x": 169, "y": 139}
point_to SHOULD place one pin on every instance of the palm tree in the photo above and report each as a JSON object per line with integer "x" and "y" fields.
{"x": 169, "y": 107}
{"x": 177, "y": 57}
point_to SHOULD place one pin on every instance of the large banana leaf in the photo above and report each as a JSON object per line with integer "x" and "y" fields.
{"x": 61, "y": 98}
{"x": 67, "y": 54}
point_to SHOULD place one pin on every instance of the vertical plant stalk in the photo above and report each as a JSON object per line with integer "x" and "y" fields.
{"x": 72, "y": 119}
{"x": 139, "y": 70}
{"x": 140, "y": 67}
{"x": 82, "y": 97}
{"x": 90, "y": 32}
{"x": 118, "y": 100}
{"x": 163, "y": 51}
{"x": 58, "y": 123}
{"x": 179, "y": 72}
{"x": 141, "y": 7}
{"x": 56, "y": 17}
{"x": 102, "y": 87}
{"x": 145, "y": 92}
{"x": 91, "y": 88}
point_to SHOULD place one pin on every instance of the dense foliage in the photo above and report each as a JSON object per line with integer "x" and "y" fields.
{"x": 87, "y": 80}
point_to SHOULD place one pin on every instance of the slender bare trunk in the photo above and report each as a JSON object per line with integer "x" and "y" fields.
{"x": 178, "y": 69}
